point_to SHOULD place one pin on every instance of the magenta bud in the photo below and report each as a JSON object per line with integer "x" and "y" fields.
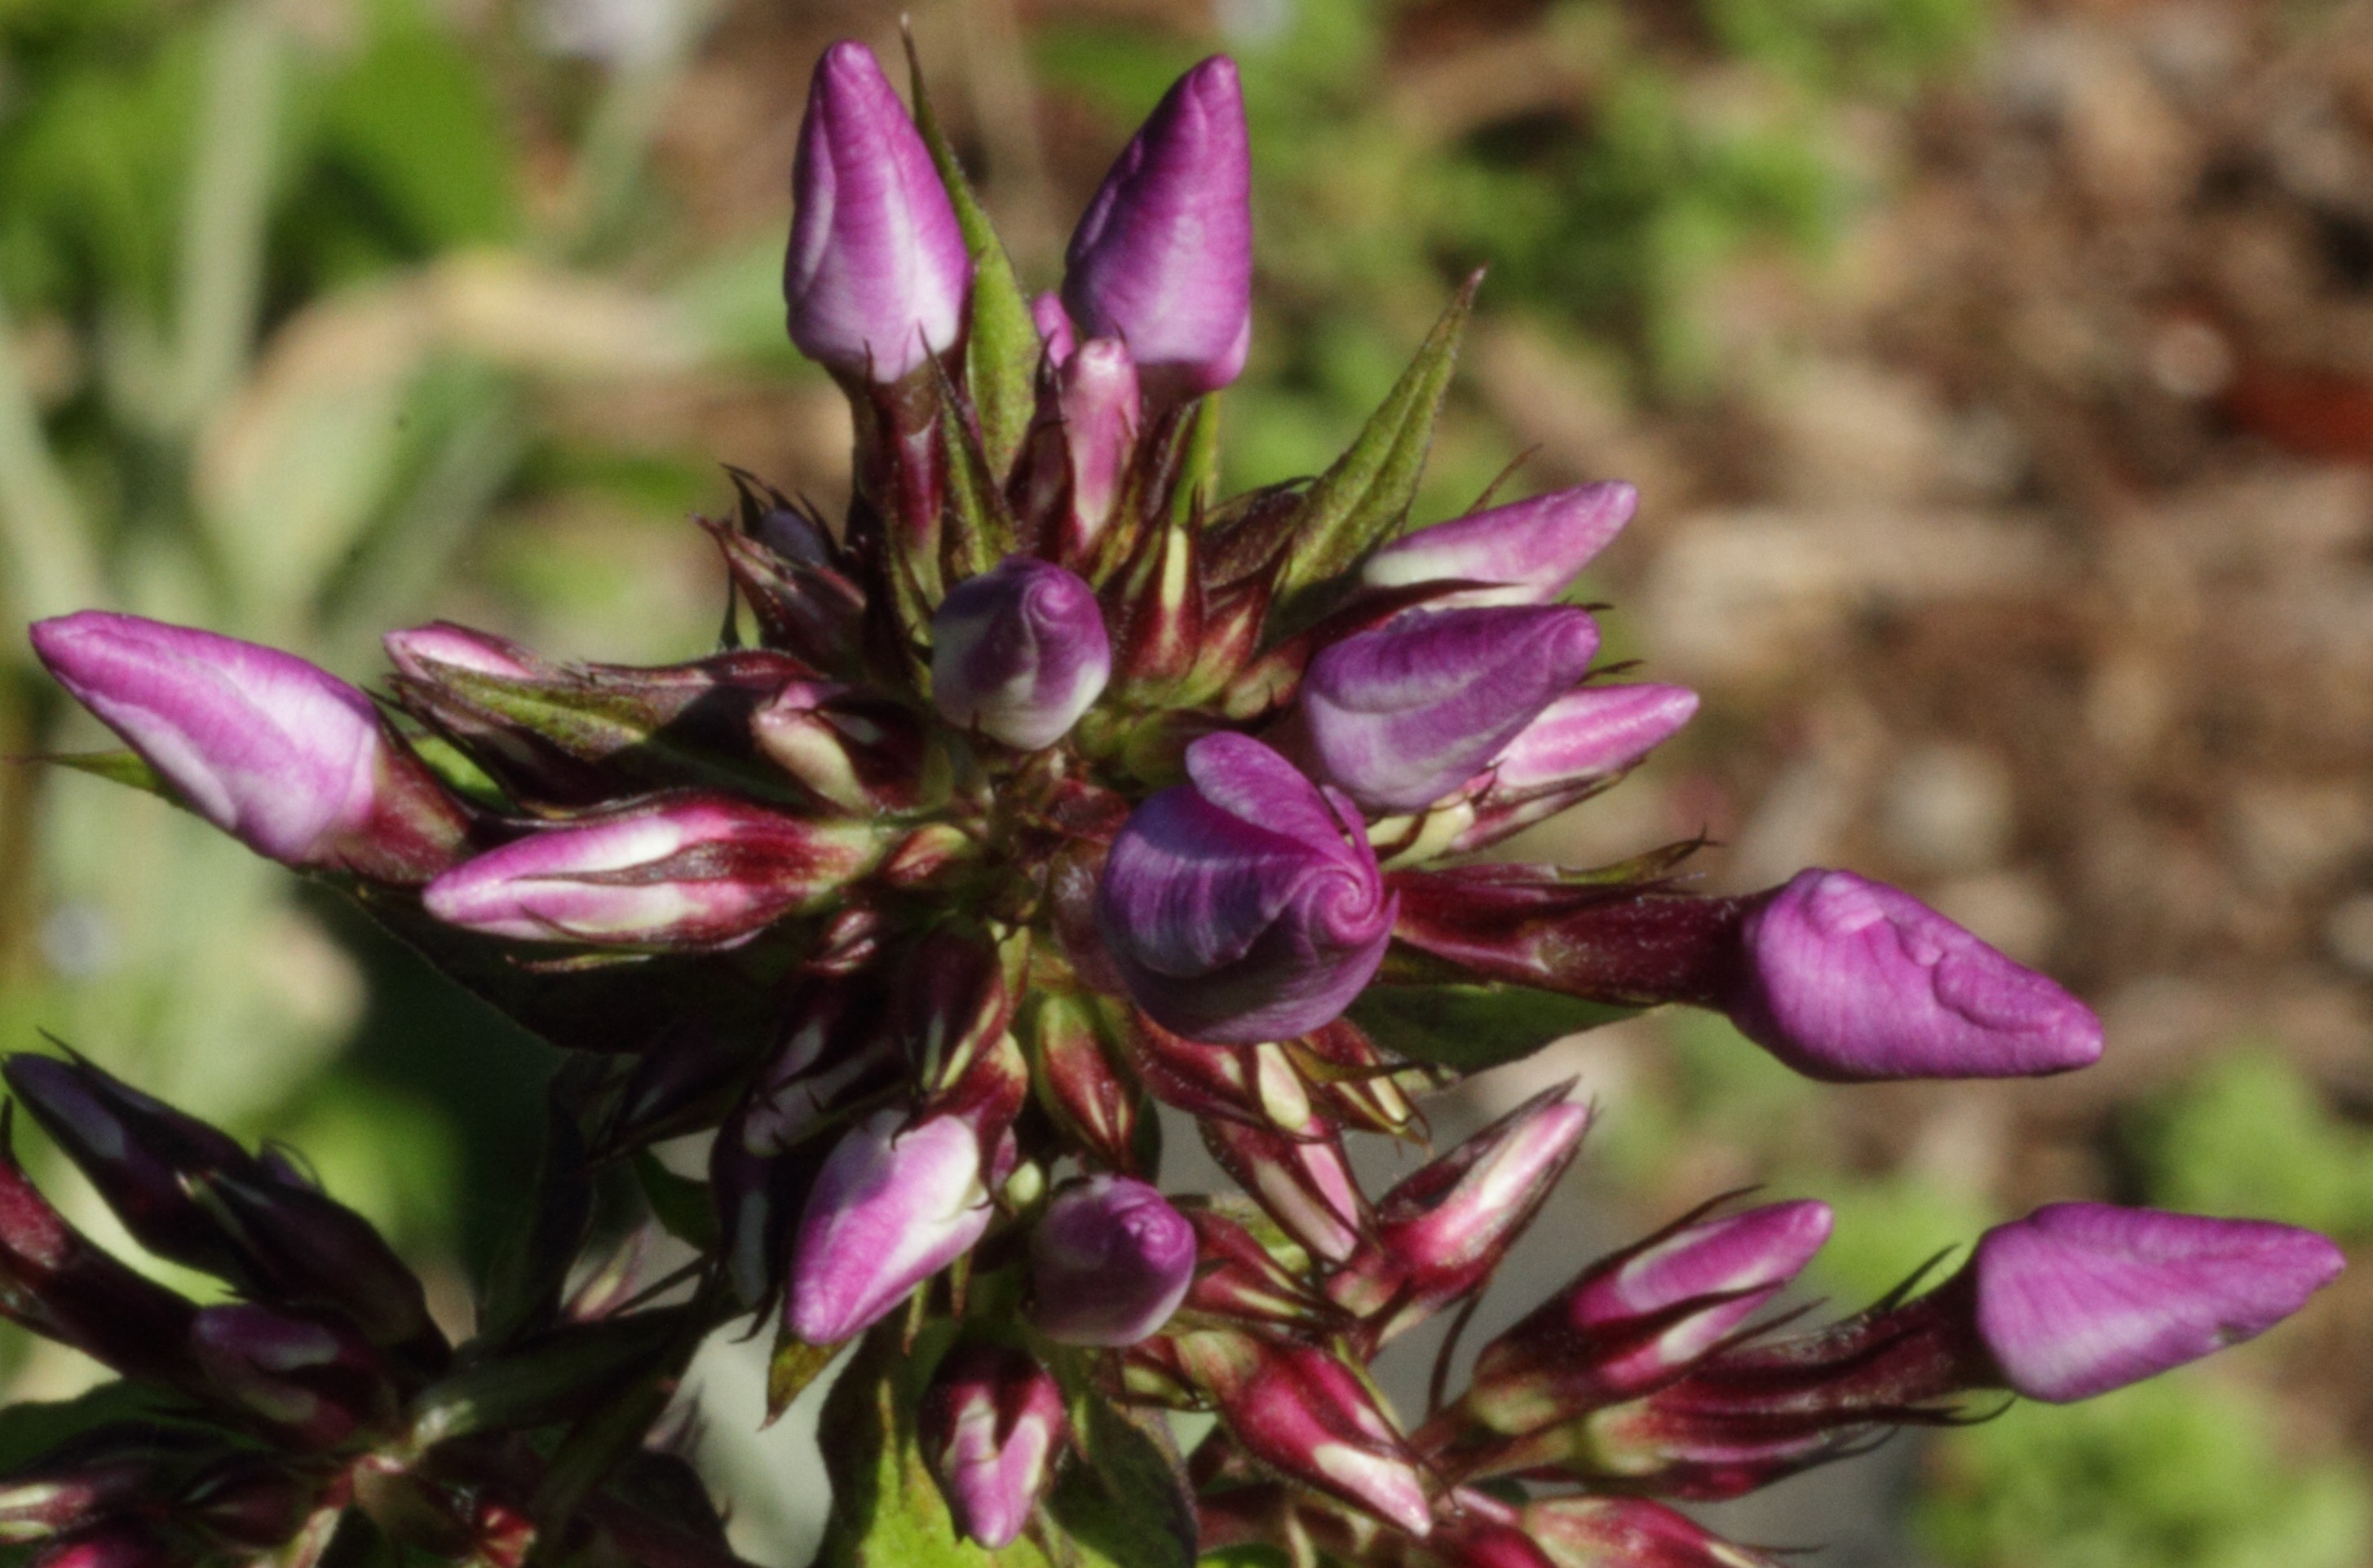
{"x": 877, "y": 271}
{"x": 118, "y": 1543}
{"x": 2077, "y": 1299}
{"x": 287, "y": 758}
{"x": 317, "y": 1382}
{"x": 1299, "y": 1410}
{"x": 1579, "y": 744}
{"x": 1403, "y": 715}
{"x": 683, "y": 871}
{"x": 1850, "y": 979}
{"x": 1099, "y": 407}
{"x": 1246, "y": 905}
{"x": 1440, "y": 1234}
{"x": 1055, "y": 329}
{"x": 1019, "y": 652}
{"x": 1301, "y": 1177}
{"x": 1628, "y": 1532}
{"x": 892, "y": 1206}
{"x": 418, "y": 652}
{"x": 1643, "y": 1316}
{"x": 991, "y": 1427}
{"x": 1523, "y": 554}
{"x": 1110, "y": 1261}
{"x": 1162, "y": 259}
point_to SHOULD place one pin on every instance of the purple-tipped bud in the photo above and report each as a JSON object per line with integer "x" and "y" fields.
{"x": 1299, "y": 1410}
{"x": 892, "y": 1206}
{"x": 287, "y": 758}
{"x": 991, "y": 1427}
{"x": 419, "y": 651}
{"x": 1643, "y": 1317}
{"x": 1301, "y": 1177}
{"x": 689, "y": 871}
{"x": 1523, "y": 554}
{"x": 877, "y": 271}
{"x": 2080, "y": 1298}
{"x": 857, "y": 750}
{"x": 1846, "y": 979}
{"x": 1099, "y": 407}
{"x": 1628, "y": 1532}
{"x": 1246, "y": 905}
{"x": 1403, "y": 715}
{"x": 1580, "y": 742}
{"x": 317, "y": 1382}
{"x": 1055, "y": 329}
{"x": 1163, "y": 260}
{"x": 1019, "y": 652}
{"x": 1110, "y": 1261}
{"x": 1441, "y": 1233}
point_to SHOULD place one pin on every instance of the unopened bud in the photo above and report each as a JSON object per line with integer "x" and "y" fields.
{"x": 1525, "y": 553}
{"x": 991, "y": 1427}
{"x": 892, "y": 1205}
{"x": 317, "y": 1382}
{"x": 1019, "y": 652}
{"x": 1110, "y": 1261}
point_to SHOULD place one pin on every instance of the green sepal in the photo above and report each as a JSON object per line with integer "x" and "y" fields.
{"x": 1471, "y": 1028}
{"x": 681, "y": 1205}
{"x": 1127, "y": 1499}
{"x": 457, "y": 770}
{"x": 554, "y": 1376}
{"x": 791, "y": 1366}
{"x": 1001, "y": 349}
{"x": 116, "y": 767}
{"x": 982, "y": 530}
{"x": 1366, "y": 496}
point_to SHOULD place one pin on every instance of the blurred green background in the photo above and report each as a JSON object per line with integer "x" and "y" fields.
{"x": 2000, "y": 378}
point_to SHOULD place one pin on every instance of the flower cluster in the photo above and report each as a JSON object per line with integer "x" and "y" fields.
{"x": 1049, "y": 789}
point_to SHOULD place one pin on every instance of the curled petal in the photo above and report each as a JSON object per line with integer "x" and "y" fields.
{"x": 1110, "y": 1261}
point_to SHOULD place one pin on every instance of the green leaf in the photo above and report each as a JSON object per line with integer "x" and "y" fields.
{"x": 1129, "y": 1502}
{"x": 1366, "y": 496}
{"x": 680, "y": 1205}
{"x": 1470, "y": 1028}
{"x": 1002, "y": 350}
{"x": 116, "y": 767}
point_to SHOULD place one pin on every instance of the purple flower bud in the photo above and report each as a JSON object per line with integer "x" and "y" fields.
{"x": 1246, "y": 905}
{"x": 689, "y": 871}
{"x": 877, "y": 271}
{"x": 1847, "y": 979}
{"x": 118, "y": 1543}
{"x": 1580, "y": 744}
{"x": 1019, "y": 652}
{"x": 287, "y": 758}
{"x": 2080, "y": 1298}
{"x": 1055, "y": 329}
{"x": 1163, "y": 260}
{"x": 1441, "y": 1232}
{"x": 991, "y": 1427}
{"x": 1628, "y": 1532}
{"x": 1110, "y": 1261}
{"x": 1301, "y": 1177}
{"x": 318, "y": 1383}
{"x": 1641, "y": 1316}
{"x": 1299, "y": 1410}
{"x": 1523, "y": 554}
{"x": 415, "y": 652}
{"x": 856, "y": 749}
{"x": 1403, "y": 715}
{"x": 1099, "y": 407}
{"x": 892, "y": 1206}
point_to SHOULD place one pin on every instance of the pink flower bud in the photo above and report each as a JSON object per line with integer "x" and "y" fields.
{"x": 1244, "y": 906}
{"x": 1642, "y": 1315}
{"x": 991, "y": 1427}
{"x": 1441, "y": 1233}
{"x": 418, "y": 652}
{"x": 1299, "y": 1410}
{"x": 2077, "y": 1299}
{"x": 287, "y": 758}
{"x": 318, "y": 1381}
{"x": 1578, "y": 745}
{"x": 858, "y": 751}
{"x": 1523, "y": 554}
{"x": 1019, "y": 652}
{"x": 1302, "y": 1178}
{"x": 1402, "y": 715}
{"x": 892, "y": 1206}
{"x": 1098, "y": 409}
{"x": 1055, "y": 329}
{"x": 1162, "y": 259}
{"x": 877, "y": 271}
{"x": 1110, "y": 1261}
{"x": 1848, "y": 979}
{"x": 1628, "y": 1532}
{"x": 683, "y": 871}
